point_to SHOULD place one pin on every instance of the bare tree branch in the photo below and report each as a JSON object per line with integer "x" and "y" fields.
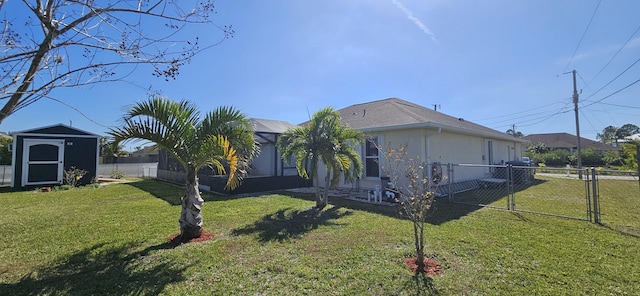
{"x": 82, "y": 42}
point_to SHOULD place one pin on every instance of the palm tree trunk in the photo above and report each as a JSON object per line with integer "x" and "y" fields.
{"x": 325, "y": 195}
{"x": 316, "y": 184}
{"x": 191, "y": 215}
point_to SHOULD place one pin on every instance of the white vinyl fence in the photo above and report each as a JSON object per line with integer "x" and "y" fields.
{"x": 147, "y": 170}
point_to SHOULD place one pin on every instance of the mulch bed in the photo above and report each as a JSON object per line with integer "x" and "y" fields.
{"x": 431, "y": 267}
{"x": 176, "y": 239}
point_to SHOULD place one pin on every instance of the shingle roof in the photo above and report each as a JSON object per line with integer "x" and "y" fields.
{"x": 270, "y": 126}
{"x": 564, "y": 140}
{"x": 145, "y": 151}
{"x": 394, "y": 113}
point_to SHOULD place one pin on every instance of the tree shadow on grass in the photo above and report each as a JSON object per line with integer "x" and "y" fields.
{"x": 441, "y": 211}
{"x": 172, "y": 193}
{"x": 286, "y": 223}
{"x": 169, "y": 192}
{"x": 419, "y": 284}
{"x": 101, "y": 270}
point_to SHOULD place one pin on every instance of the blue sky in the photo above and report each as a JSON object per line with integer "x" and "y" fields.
{"x": 497, "y": 63}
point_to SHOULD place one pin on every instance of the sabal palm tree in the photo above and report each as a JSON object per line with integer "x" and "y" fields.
{"x": 323, "y": 139}
{"x": 222, "y": 139}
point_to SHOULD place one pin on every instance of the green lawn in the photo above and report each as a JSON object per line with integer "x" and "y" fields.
{"x": 112, "y": 241}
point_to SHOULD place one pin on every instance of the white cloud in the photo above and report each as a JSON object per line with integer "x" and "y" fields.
{"x": 415, "y": 20}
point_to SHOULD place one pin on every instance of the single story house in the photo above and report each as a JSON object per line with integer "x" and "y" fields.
{"x": 41, "y": 155}
{"x": 431, "y": 136}
{"x": 268, "y": 171}
{"x": 142, "y": 155}
{"x": 634, "y": 137}
{"x": 569, "y": 142}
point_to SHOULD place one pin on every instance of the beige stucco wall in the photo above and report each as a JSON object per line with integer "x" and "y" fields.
{"x": 444, "y": 147}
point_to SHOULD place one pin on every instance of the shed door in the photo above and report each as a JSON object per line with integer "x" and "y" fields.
{"x": 43, "y": 161}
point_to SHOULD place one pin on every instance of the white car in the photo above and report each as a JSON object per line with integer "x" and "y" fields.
{"x": 526, "y": 160}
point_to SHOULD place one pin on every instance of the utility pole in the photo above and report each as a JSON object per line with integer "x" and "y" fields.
{"x": 575, "y": 108}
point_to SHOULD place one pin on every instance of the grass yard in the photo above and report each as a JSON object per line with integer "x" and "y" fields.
{"x": 112, "y": 241}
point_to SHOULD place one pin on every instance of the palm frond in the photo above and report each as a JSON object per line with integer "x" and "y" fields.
{"x": 223, "y": 139}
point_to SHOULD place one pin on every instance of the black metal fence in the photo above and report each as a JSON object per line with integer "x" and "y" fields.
{"x": 215, "y": 183}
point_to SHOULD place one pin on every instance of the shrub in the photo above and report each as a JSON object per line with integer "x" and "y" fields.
{"x": 613, "y": 158}
{"x": 73, "y": 175}
{"x": 117, "y": 174}
{"x": 590, "y": 157}
{"x": 62, "y": 187}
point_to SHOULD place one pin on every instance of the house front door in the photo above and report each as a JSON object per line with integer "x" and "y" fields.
{"x": 43, "y": 161}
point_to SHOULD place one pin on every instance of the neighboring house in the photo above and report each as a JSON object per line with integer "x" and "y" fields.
{"x": 569, "y": 142}
{"x": 267, "y": 171}
{"x": 635, "y": 137}
{"x": 143, "y": 155}
{"x": 41, "y": 155}
{"x": 433, "y": 137}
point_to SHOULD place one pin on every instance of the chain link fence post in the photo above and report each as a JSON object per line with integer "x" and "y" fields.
{"x": 587, "y": 187}
{"x": 511, "y": 187}
{"x": 596, "y": 202}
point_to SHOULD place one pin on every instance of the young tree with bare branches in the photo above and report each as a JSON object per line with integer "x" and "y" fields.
{"x": 413, "y": 191}
{"x": 50, "y": 44}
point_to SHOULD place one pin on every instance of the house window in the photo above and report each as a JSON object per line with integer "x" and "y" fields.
{"x": 372, "y": 159}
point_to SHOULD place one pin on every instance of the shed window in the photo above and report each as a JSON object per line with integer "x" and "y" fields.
{"x": 43, "y": 152}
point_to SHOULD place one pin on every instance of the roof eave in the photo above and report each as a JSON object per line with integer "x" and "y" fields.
{"x": 445, "y": 128}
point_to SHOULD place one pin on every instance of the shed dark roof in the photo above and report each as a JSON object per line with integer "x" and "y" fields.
{"x": 564, "y": 140}
{"x": 58, "y": 129}
{"x": 394, "y": 113}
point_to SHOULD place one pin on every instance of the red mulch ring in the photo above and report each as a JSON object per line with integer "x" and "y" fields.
{"x": 431, "y": 267}
{"x": 177, "y": 240}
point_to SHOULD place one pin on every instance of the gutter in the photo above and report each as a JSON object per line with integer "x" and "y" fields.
{"x": 441, "y": 127}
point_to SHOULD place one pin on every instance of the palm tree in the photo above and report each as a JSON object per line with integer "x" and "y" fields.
{"x": 323, "y": 139}
{"x": 222, "y": 140}
{"x": 515, "y": 133}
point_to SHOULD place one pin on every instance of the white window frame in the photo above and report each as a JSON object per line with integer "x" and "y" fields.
{"x": 379, "y": 139}
{"x": 27, "y": 143}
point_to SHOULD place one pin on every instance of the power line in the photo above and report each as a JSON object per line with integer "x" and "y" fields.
{"x": 77, "y": 110}
{"x": 545, "y": 118}
{"x": 516, "y": 113}
{"x": 581, "y": 38}
{"x": 612, "y": 80}
{"x": 616, "y": 105}
{"x": 616, "y": 54}
{"x": 613, "y": 93}
{"x": 589, "y": 121}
